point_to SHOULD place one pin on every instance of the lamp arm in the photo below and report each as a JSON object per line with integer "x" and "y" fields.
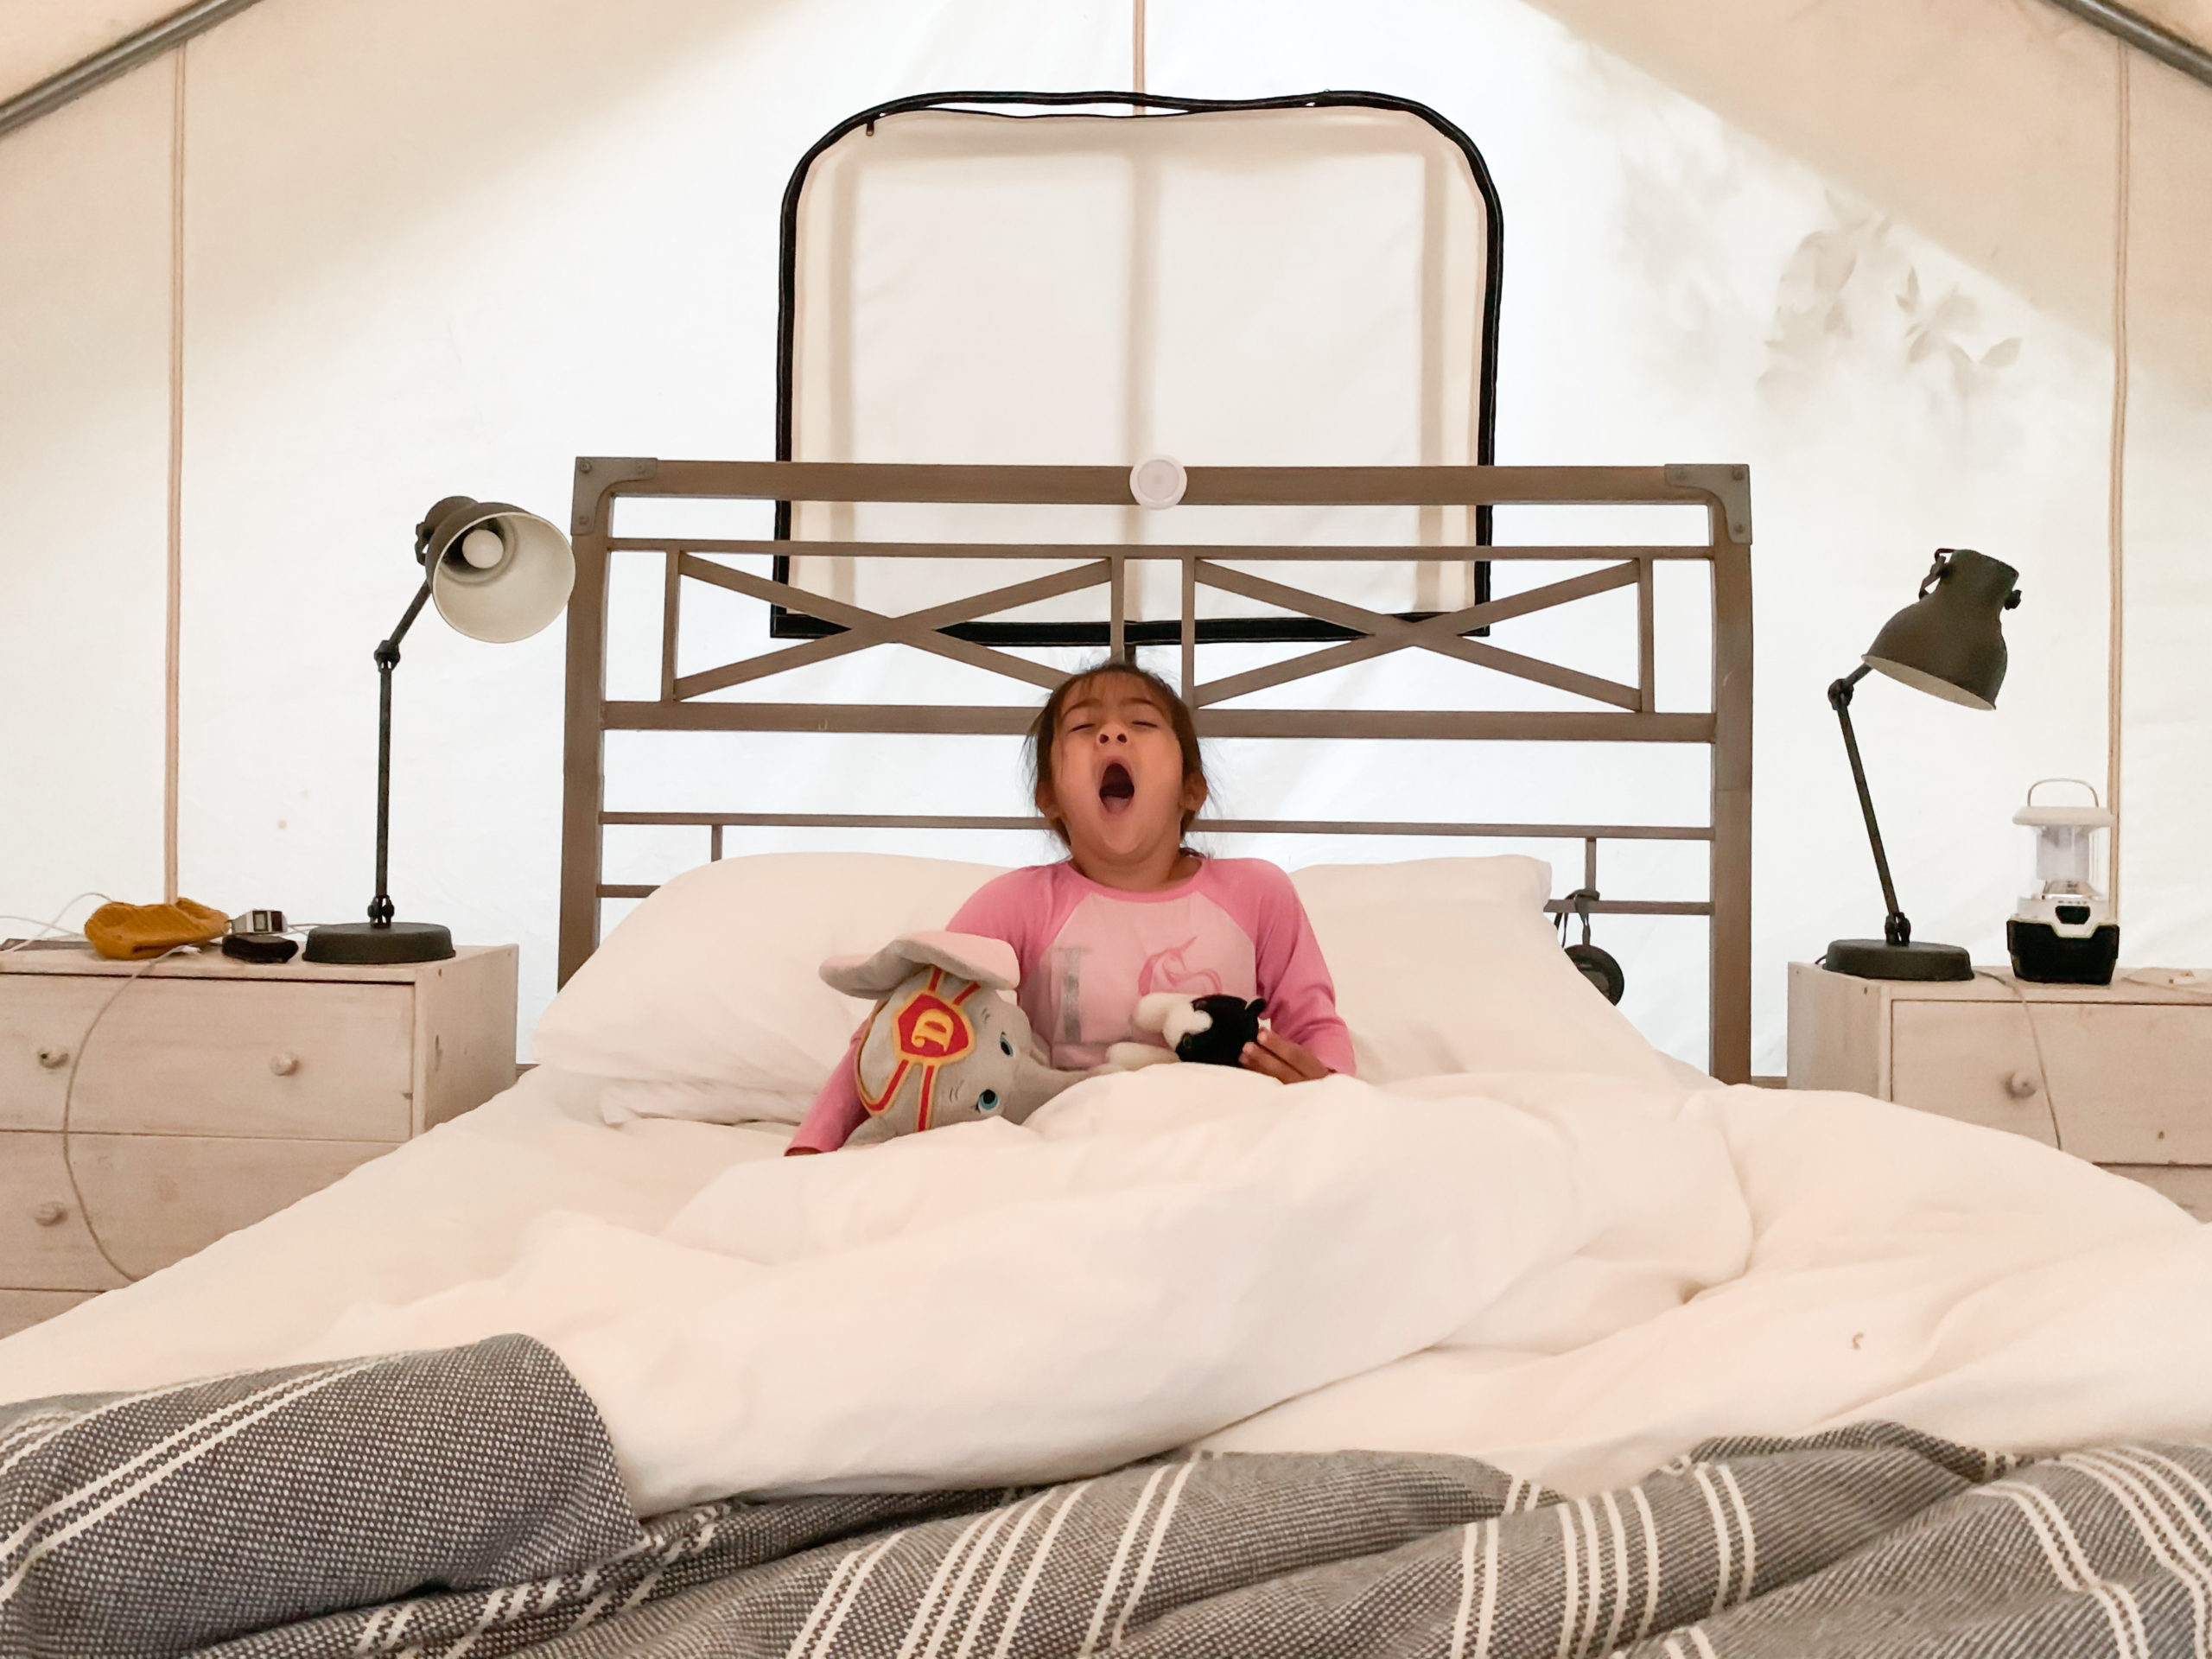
{"x": 1896, "y": 928}
{"x": 387, "y": 658}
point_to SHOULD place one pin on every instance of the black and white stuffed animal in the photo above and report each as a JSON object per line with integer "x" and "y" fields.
{"x": 1199, "y": 1030}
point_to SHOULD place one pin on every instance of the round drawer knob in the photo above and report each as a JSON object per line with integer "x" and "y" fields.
{"x": 50, "y": 1214}
{"x": 53, "y": 1058}
{"x": 283, "y": 1064}
{"x": 2021, "y": 1086}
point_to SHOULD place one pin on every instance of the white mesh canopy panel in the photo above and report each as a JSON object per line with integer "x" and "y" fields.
{"x": 1286, "y": 282}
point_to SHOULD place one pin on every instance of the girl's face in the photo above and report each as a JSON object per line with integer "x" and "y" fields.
{"x": 1118, "y": 788}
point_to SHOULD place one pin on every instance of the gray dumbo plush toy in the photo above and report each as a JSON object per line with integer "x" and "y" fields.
{"x": 943, "y": 1044}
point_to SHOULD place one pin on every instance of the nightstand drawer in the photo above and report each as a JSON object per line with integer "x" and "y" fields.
{"x": 21, "y": 1309}
{"x": 2131, "y": 1082}
{"x": 42, "y": 1236}
{"x": 41, "y": 1022}
{"x": 156, "y": 1198}
{"x": 2192, "y": 1188}
{"x": 1964, "y": 1060}
{"x": 311, "y": 1061}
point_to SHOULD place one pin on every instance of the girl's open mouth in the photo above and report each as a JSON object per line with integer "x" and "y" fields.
{"x": 1116, "y": 789}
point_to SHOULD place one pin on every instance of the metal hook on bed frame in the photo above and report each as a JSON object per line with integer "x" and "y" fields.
{"x": 1598, "y": 965}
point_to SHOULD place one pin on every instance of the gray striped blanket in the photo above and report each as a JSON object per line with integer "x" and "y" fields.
{"x": 466, "y": 1502}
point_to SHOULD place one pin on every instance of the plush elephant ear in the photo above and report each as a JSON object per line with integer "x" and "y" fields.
{"x": 990, "y": 962}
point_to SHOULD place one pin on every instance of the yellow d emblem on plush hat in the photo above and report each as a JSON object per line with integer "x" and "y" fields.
{"x": 927, "y": 1032}
{"x": 933, "y": 1030}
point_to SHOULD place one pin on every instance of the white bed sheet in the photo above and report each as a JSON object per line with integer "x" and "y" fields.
{"x": 448, "y": 1206}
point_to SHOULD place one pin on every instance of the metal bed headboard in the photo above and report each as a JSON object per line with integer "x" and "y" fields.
{"x": 1623, "y": 712}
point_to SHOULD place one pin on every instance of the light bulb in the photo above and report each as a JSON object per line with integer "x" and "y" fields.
{"x": 482, "y": 547}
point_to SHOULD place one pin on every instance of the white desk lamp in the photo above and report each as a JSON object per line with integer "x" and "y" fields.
{"x": 496, "y": 573}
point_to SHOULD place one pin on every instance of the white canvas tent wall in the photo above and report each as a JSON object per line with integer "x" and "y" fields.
{"x": 406, "y": 248}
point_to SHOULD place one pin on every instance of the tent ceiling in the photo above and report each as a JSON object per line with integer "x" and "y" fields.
{"x": 2030, "y": 204}
{"x": 42, "y": 38}
{"x": 2192, "y": 19}
{"x": 39, "y": 38}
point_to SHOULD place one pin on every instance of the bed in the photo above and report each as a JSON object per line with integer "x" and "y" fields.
{"x": 1527, "y": 1340}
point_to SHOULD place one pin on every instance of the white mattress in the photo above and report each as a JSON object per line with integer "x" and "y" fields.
{"x": 448, "y": 1207}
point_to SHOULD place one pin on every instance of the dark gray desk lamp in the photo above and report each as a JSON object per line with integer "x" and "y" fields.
{"x": 497, "y": 574}
{"x": 1949, "y": 643}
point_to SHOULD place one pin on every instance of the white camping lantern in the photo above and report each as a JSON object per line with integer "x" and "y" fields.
{"x": 2065, "y": 932}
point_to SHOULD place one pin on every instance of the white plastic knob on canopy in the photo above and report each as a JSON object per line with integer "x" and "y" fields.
{"x": 1157, "y": 482}
{"x": 2065, "y": 839}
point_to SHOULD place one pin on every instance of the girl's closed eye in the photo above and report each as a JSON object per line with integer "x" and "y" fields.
{"x": 1118, "y": 777}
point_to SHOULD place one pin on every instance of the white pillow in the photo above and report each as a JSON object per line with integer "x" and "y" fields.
{"x": 1449, "y": 964}
{"x": 706, "y": 1002}
{"x": 706, "y": 996}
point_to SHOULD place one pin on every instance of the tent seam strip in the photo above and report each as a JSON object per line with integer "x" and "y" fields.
{"x": 2115, "y": 664}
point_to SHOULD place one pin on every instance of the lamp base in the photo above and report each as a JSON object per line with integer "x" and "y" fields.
{"x": 367, "y": 944}
{"x": 1879, "y": 959}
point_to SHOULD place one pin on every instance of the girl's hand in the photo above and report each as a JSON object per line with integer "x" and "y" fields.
{"x": 1278, "y": 1056}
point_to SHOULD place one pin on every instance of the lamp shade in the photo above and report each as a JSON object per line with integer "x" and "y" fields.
{"x": 1950, "y": 642}
{"x": 496, "y": 573}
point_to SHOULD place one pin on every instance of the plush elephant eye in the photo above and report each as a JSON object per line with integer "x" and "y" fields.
{"x": 1006, "y": 1045}
{"x": 987, "y": 1101}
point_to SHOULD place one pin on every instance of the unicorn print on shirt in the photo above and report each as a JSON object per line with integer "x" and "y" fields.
{"x": 1171, "y": 971}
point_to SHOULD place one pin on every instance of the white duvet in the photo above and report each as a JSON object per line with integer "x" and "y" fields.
{"x": 1573, "y": 1277}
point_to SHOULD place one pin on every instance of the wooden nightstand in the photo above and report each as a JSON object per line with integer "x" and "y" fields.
{"x": 2124, "y": 1079}
{"x": 214, "y": 1093}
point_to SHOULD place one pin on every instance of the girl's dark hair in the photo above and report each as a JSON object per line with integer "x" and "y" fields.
{"x": 1046, "y": 726}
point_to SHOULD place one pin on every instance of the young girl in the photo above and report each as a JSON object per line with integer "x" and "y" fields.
{"x": 1132, "y": 910}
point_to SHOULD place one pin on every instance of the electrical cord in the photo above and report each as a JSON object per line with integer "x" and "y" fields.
{"x": 2034, "y": 1037}
{"x": 50, "y": 927}
{"x": 68, "y": 1095}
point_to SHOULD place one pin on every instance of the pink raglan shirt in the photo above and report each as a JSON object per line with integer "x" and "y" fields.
{"x": 1088, "y": 952}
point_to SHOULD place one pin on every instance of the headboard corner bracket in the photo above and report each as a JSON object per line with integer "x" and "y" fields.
{"x": 1728, "y": 483}
{"x": 595, "y": 476}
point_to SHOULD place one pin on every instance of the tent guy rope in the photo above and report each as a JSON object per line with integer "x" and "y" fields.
{"x": 173, "y": 643}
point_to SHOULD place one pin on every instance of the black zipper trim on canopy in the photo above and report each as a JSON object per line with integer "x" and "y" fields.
{"x": 785, "y": 623}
